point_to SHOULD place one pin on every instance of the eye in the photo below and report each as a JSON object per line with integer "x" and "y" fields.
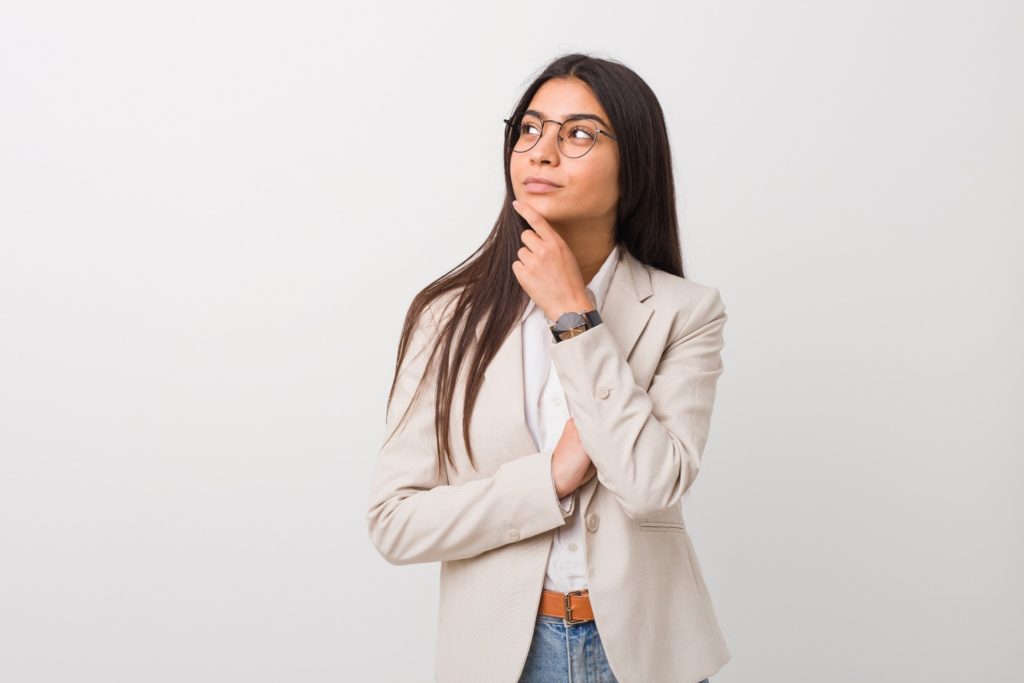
{"x": 582, "y": 131}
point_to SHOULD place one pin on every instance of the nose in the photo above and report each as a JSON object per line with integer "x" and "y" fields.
{"x": 547, "y": 145}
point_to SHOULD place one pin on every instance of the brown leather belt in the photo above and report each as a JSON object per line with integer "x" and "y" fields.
{"x": 574, "y": 606}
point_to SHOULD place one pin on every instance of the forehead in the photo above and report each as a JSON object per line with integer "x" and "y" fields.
{"x": 559, "y": 97}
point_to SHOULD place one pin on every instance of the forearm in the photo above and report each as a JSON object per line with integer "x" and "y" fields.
{"x": 646, "y": 445}
{"x": 453, "y": 522}
{"x": 415, "y": 515}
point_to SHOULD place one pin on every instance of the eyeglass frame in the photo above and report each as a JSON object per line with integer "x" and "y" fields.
{"x": 508, "y": 125}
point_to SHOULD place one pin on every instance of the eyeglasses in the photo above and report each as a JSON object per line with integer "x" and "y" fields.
{"x": 576, "y": 137}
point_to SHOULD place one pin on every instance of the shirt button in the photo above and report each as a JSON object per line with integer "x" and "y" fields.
{"x": 602, "y": 392}
{"x": 513, "y": 534}
{"x": 555, "y": 401}
{"x": 572, "y": 547}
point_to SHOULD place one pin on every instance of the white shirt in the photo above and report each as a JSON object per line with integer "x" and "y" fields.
{"x": 546, "y": 415}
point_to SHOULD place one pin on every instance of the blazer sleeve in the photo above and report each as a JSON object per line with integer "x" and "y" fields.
{"x": 413, "y": 517}
{"x": 646, "y": 445}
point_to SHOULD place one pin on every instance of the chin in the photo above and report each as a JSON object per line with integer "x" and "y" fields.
{"x": 554, "y": 215}
{"x": 545, "y": 199}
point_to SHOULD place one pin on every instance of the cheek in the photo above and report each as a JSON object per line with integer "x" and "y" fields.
{"x": 609, "y": 186}
{"x": 515, "y": 166}
{"x": 592, "y": 187}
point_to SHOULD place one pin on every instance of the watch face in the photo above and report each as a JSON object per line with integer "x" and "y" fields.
{"x": 567, "y": 321}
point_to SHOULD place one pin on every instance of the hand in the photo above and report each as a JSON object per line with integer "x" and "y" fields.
{"x": 571, "y": 467}
{"x": 547, "y": 269}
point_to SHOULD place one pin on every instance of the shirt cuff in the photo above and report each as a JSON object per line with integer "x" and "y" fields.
{"x": 567, "y": 502}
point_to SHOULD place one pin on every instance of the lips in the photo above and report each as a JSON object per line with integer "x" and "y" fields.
{"x": 537, "y": 180}
{"x": 537, "y": 185}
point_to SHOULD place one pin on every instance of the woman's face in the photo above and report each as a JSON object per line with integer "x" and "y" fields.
{"x": 589, "y": 185}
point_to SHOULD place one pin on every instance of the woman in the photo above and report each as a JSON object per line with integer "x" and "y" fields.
{"x": 581, "y": 405}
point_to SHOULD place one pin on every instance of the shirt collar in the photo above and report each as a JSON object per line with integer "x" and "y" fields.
{"x": 597, "y": 288}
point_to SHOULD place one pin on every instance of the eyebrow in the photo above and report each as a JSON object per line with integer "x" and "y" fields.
{"x": 592, "y": 117}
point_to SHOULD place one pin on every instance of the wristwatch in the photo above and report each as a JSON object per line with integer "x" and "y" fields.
{"x": 571, "y": 324}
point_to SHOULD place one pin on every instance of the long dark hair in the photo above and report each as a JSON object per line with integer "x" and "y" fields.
{"x": 484, "y": 288}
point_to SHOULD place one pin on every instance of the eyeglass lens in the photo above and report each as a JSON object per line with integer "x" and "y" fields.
{"x": 575, "y": 137}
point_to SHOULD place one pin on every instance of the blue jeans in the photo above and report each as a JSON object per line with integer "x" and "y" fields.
{"x": 566, "y": 653}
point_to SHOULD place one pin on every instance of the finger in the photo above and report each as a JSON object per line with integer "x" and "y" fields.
{"x": 531, "y": 239}
{"x": 516, "y": 272}
{"x": 535, "y": 219}
{"x": 526, "y": 257}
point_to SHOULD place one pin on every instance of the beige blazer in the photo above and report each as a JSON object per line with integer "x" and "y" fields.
{"x": 641, "y": 387}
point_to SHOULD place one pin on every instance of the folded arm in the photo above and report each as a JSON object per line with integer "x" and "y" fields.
{"x": 413, "y": 517}
{"x": 646, "y": 445}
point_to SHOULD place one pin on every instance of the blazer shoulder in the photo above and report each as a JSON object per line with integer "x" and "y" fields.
{"x": 670, "y": 289}
{"x": 441, "y": 307}
{"x": 691, "y": 304}
{"x": 435, "y": 309}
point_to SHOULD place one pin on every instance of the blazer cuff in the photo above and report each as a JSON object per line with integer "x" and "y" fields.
{"x": 568, "y": 504}
{"x": 540, "y": 513}
{"x": 566, "y": 501}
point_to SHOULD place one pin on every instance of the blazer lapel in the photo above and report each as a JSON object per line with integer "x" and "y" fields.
{"x": 623, "y": 312}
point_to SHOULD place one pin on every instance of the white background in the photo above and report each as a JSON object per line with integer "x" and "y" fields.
{"x": 214, "y": 216}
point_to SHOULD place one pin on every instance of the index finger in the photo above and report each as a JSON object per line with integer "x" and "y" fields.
{"x": 535, "y": 219}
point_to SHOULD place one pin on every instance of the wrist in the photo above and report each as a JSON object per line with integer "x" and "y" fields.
{"x": 576, "y": 305}
{"x": 554, "y": 481}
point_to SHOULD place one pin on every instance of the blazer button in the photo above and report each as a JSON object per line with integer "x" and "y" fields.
{"x": 593, "y": 521}
{"x": 602, "y": 392}
{"x": 513, "y": 534}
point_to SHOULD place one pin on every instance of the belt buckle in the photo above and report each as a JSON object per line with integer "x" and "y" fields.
{"x": 568, "y": 608}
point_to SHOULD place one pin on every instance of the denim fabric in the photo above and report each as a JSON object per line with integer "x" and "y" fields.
{"x": 566, "y": 653}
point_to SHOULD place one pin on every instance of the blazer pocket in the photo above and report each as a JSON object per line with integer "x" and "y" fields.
{"x": 670, "y": 519}
{"x": 662, "y": 526}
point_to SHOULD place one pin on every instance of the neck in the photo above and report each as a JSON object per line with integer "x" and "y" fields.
{"x": 590, "y": 244}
